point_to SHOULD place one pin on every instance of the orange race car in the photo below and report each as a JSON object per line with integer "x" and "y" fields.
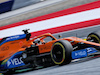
{"x": 47, "y": 50}
{"x": 21, "y": 51}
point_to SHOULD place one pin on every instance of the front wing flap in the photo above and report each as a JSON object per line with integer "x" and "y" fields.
{"x": 84, "y": 53}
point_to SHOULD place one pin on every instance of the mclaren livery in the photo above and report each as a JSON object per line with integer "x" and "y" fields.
{"x": 21, "y": 51}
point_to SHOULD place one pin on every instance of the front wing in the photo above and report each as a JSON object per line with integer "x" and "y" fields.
{"x": 84, "y": 53}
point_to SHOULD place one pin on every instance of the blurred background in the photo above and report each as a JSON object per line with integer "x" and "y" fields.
{"x": 12, "y": 11}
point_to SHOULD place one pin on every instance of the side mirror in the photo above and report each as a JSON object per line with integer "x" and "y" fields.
{"x": 59, "y": 36}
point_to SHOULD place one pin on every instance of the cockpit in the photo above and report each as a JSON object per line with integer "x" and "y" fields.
{"x": 44, "y": 39}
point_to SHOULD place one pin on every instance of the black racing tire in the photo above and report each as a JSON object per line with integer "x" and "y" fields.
{"x": 94, "y": 37}
{"x": 61, "y": 52}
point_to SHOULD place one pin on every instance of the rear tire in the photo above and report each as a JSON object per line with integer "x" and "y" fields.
{"x": 61, "y": 52}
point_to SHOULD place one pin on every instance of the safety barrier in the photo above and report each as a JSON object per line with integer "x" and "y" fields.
{"x": 22, "y": 3}
{"x": 6, "y": 6}
{"x": 9, "y": 5}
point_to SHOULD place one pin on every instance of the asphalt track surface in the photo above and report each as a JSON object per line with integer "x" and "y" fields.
{"x": 85, "y": 66}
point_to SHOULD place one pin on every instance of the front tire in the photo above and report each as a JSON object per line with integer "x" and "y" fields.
{"x": 94, "y": 37}
{"x": 61, "y": 52}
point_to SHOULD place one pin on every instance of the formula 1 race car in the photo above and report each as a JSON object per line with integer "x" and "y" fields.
{"x": 47, "y": 50}
{"x": 20, "y": 52}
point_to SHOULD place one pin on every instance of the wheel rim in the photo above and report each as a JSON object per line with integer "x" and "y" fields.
{"x": 57, "y": 53}
{"x": 93, "y": 38}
